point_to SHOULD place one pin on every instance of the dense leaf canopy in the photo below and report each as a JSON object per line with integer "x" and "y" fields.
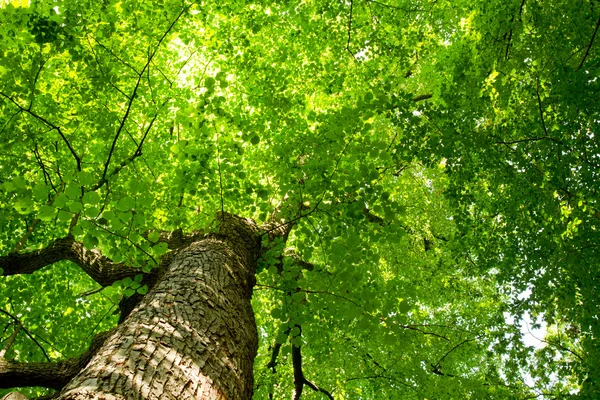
{"x": 437, "y": 159}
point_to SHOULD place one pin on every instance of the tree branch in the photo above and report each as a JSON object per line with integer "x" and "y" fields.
{"x": 587, "y": 51}
{"x": 47, "y": 374}
{"x": 48, "y": 123}
{"x": 18, "y": 322}
{"x": 135, "y": 89}
{"x": 100, "y": 268}
{"x": 537, "y": 91}
{"x": 422, "y": 97}
{"x": 350, "y": 29}
{"x": 11, "y": 339}
{"x": 299, "y": 378}
{"x": 298, "y": 374}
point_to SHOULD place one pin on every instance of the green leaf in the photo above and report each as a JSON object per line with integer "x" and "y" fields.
{"x": 142, "y": 289}
{"x": 90, "y": 241}
{"x": 281, "y": 338}
{"x": 64, "y": 216}
{"x": 91, "y": 198}
{"x": 126, "y": 204}
{"x": 23, "y": 205}
{"x": 160, "y": 249}
{"x": 19, "y": 183}
{"x": 154, "y": 236}
{"x": 47, "y": 213}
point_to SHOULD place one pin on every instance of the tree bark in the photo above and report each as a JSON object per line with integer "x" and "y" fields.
{"x": 193, "y": 336}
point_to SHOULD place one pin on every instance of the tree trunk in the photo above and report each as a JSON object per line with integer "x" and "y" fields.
{"x": 193, "y": 336}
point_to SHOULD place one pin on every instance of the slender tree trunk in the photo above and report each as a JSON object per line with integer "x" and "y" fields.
{"x": 193, "y": 336}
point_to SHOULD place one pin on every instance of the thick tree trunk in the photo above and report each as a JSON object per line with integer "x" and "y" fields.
{"x": 193, "y": 336}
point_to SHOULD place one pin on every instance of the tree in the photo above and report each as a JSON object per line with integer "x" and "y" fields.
{"x": 363, "y": 199}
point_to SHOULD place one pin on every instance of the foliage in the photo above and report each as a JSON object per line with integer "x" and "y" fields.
{"x": 443, "y": 154}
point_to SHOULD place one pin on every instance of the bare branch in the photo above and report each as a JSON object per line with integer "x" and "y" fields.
{"x": 98, "y": 267}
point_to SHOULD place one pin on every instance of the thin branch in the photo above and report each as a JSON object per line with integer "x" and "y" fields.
{"x": 10, "y": 120}
{"x": 414, "y": 328}
{"x": 300, "y": 215}
{"x": 350, "y": 29}
{"x": 318, "y": 388}
{"x": 90, "y": 292}
{"x": 50, "y": 124}
{"x": 510, "y": 34}
{"x": 587, "y": 51}
{"x": 35, "y": 79}
{"x": 422, "y": 97}
{"x": 116, "y": 56}
{"x": 437, "y": 365}
{"x": 135, "y": 89}
{"x": 47, "y": 177}
{"x": 134, "y": 244}
{"x": 137, "y": 153}
{"x": 18, "y": 322}
{"x": 26, "y": 235}
{"x": 529, "y": 140}
{"x": 47, "y": 374}
{"x": 11, "y": 340}
{"x": 537, "y": 92}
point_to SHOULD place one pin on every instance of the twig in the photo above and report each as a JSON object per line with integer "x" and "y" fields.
{"x": 137, "y": 153}
{"x": 10, "y": 120}
{"x": 137, "y": 246}
{"x": 50, "y": 124}
{"x": 537, "y": 92}
{"x": 422, "y": 97}
{"x": 587, "y": 51}
{"x": 47, "y": 177}
{"x": 26, "y": 235}
{"x": 350, "y": 29}
{"x": 26, "y": 331}
{"x": 116, "y": 56}
{"x": 437, "y": 365}
{"x": 134, "y": 93}
{"x": 35, "y": 79}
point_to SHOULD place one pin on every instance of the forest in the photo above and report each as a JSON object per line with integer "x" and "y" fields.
{"x": 299, "y": 199}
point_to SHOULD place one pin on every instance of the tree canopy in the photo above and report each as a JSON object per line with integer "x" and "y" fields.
{"x": 435, "y": 161}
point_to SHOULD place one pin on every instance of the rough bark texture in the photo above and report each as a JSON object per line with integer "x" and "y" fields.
{"x": 193, "y": 336}
{"x": 99, "y": 268}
